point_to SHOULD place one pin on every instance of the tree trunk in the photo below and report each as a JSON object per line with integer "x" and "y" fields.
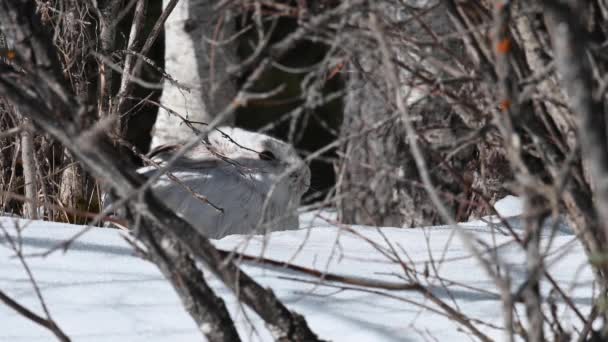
{"x": 29, "y": 171}
{"x": 377, "y": 172}
{"x": 196, "y": 63}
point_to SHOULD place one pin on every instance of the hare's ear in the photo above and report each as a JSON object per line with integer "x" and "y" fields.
{"x": 162, "y": 149}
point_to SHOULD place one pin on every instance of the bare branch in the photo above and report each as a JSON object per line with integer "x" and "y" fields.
{"x": 22, "y": 310}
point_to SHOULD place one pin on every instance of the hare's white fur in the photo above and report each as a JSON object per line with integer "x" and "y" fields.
{"x": 255, "y": 194}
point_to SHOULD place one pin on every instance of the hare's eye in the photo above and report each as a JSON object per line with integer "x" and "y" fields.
{"x": 267, "y": 155}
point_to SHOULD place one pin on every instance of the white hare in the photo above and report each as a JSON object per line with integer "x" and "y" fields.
{"x": 255, "y": 181}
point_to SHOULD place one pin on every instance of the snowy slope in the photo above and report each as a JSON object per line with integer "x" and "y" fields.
{"x": 98, "y": 291}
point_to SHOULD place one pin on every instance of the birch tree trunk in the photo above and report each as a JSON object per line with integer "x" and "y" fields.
{"x": 197, "y": 56}
{"x": 29, "y": 171}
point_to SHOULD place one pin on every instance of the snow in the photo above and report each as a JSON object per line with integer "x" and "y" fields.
{"x": 100, "y": 291}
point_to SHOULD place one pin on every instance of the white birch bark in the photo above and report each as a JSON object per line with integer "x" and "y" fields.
{"x": 193, "y": 60}
{"x": 29, "y": 171}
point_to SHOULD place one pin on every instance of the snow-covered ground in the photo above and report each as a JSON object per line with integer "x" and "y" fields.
{"x": 99, "y": 291}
